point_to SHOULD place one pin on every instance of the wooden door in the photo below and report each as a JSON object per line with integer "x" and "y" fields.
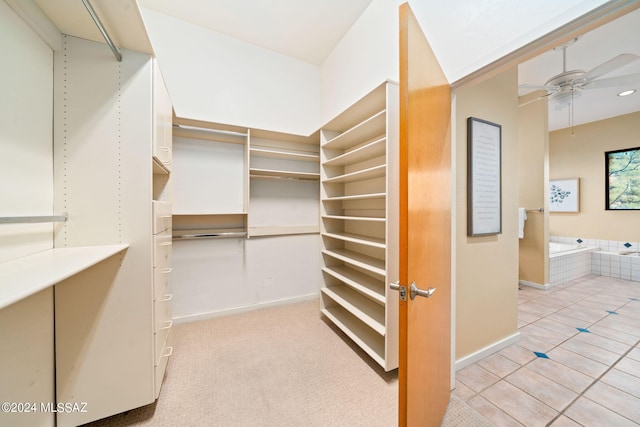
{"x": 425, "y": 229}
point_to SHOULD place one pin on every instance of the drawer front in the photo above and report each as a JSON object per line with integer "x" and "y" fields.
{"x": 161, "y": 364}
{"x": 160, "y": 339}
{"x": 161, "y": 217}
{"x": 162, "y": 249}
{"x": 161, "y": 280}
{"x": 162, "y": 312}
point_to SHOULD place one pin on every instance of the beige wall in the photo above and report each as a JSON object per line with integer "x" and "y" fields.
{"x": 582, "y": 156}
{"x": 487, "y": 267}
{"x": 533, "y": 168}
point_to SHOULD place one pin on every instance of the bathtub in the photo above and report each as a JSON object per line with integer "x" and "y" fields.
{"x": 559, "y": 249}
{"x": 568, "y": 262}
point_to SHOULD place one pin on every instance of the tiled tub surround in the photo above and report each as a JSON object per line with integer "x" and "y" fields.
{"x": 571, "y": 265}
{"x": 592, "y": 256}
{"x": 577, "y": 362}
{"x": 611, "y": 264}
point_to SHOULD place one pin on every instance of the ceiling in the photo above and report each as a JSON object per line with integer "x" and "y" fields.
{"x": 463, "y": 41}
{"x": 465, "y": 36}
{"x": 300, "y": 29}
{"x": 619, "y": 36}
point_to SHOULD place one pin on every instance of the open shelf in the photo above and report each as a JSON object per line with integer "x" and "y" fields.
{"x": 284, "y": 230}
{"x": 374, "y": 265}
{"x": 358, "y": 238}
{"x": 361, "y": 175}
{"x": 368, "y": 129}
{"x": 373, "y": 149}
{"x": 364, "y": 309}
{"x": 355, "y": 197}
{"x": 366, "y": 285}
{"x": 288, "y": 155}
{"x": 354, "y": 218}
{"x": 367, "y": 339}
{"x": 159, "y": 167}
{"x": 268, "y": 173}
{"x": 23, "y": 277}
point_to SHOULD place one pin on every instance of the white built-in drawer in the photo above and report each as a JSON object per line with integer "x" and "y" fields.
{"x": 161, "y": 365}
{"x": 162, "y": 249}
{"x": 161, "y": 280}
{"x": 161, "y": 216}
{"x": 161, "y": 344}
{"x": 162, "y": 312}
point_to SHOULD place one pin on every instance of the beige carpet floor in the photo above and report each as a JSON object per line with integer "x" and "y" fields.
{"x": 280, "y": 366}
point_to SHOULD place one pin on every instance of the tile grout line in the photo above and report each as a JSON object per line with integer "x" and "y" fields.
{"x": 527, "y": 363}
{"x": 613, "y": 365}
{"x": 560, "y": 413}
{"x": 581, "y": 299}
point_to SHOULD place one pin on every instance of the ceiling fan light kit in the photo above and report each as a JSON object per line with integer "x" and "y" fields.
{"x": 627, "y": 92}
{"x": 562, "y": 89}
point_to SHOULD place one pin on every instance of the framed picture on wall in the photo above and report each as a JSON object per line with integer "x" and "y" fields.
{"x": 564, "y": 195}
{"x": 622, "y": 174}
{"x": 484, "y": 177}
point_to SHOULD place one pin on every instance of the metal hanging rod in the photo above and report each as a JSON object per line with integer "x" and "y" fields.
{"x": 33, "y": 219}
{"x": 102, "y": 30}
{"x": 536, "y": 210}
{"x": 212, "y": 235}
{"x": 283, "y": 178}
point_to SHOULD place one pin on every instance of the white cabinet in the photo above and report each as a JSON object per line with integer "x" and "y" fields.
{"x": 112, "y": 162}
{"x": 359, "y": 207}
{"x": 162, "y": 121}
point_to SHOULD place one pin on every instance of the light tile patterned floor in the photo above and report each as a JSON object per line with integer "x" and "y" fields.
{"x": 577, "y": 363}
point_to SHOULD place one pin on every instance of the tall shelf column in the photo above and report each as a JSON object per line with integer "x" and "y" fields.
{"x": 359, "y": 222}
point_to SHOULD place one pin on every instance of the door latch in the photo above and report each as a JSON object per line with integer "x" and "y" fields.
{"x": 414, "y": 291}
{"x": 397, "y": 287}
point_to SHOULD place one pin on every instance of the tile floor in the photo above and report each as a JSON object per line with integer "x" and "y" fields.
{"x": 577, "y": 362}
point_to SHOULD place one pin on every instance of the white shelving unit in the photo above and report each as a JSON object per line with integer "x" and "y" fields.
{"x": 26, "y": 276}
{"x": 211, "y": 182}
{"x": 284, "y": 173}
{"x": 112, "y": 173}
{"x": 359, "y": 227}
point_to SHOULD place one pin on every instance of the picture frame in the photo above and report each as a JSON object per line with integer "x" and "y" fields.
{"x": 484, "y": 177}
{"x": 622, "y": 179}
{"x": 564, "y": 195}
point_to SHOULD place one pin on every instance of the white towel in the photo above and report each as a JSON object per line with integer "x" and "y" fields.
{"x": 522, "y": 216}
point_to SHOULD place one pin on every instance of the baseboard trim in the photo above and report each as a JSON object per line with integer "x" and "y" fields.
{"x": 244, "y": 309}
{"x": 534, "y": 285}
{"x": 484, "y": 352}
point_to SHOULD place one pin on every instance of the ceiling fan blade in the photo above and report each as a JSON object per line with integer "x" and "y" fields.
{"x": 611, "y": 65}
{"x": 629, "y": 79}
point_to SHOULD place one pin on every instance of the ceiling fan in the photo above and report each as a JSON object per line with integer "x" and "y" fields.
{"x": 563, "y": 88}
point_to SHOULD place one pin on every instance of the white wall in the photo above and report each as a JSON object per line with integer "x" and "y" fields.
{"x": 219, "y": 277}
{"x": 26, "y": 188}
{"x": 216, "y": 78}
{"x": 26, "y": 128}
{"x": 365, "y": 57}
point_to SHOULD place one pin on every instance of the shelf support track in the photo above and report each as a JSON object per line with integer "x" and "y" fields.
{"x": 33, "y": 219}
